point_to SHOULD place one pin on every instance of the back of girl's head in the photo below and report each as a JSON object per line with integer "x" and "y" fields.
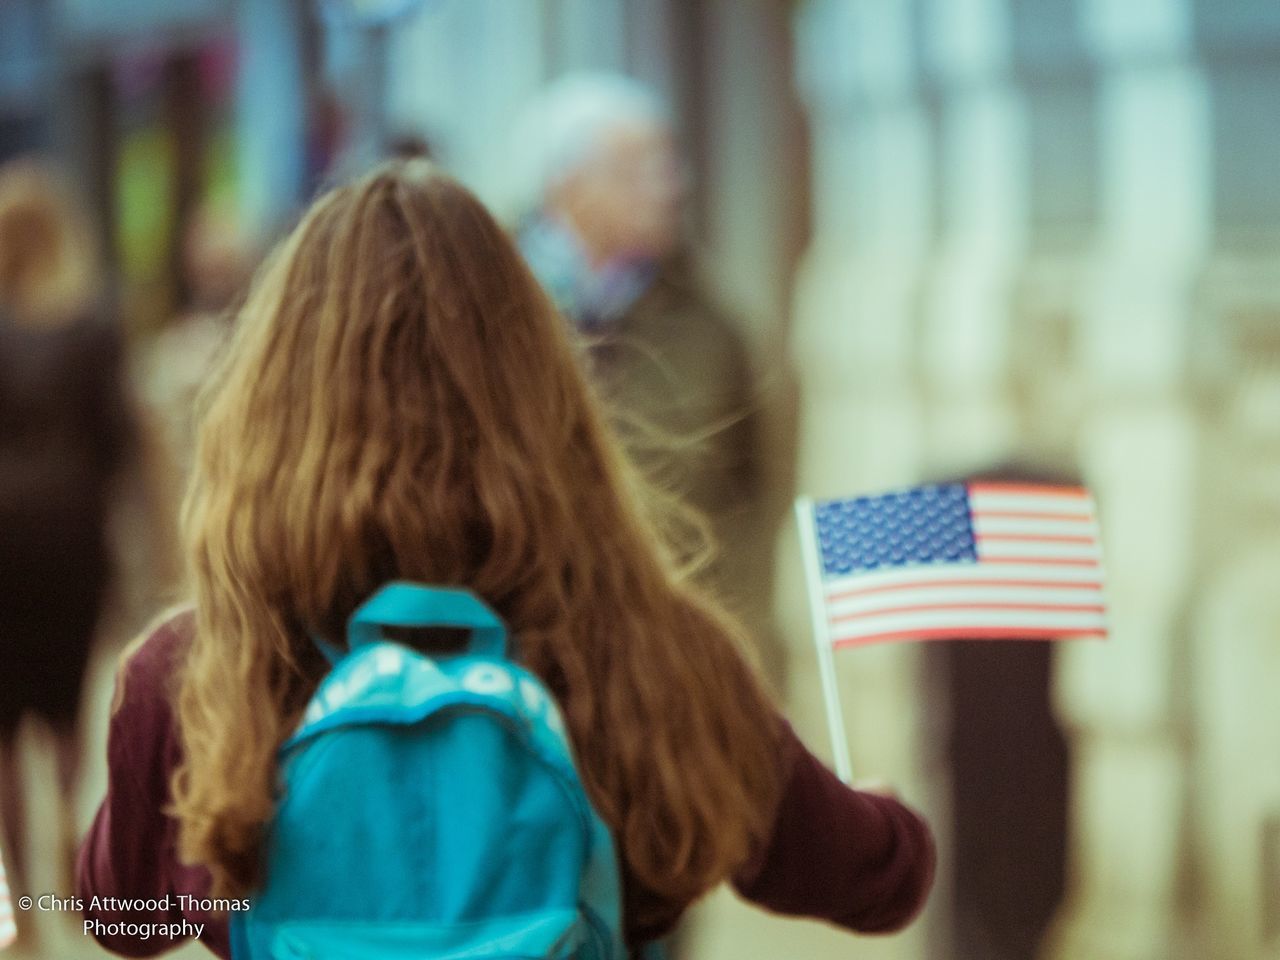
{"x": 400, "y": 401}
{"x": 47, "y": 260}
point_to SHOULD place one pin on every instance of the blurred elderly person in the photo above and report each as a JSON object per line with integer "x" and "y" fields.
{"x": 600, "y": 192}
{"x": 64, "y": 430}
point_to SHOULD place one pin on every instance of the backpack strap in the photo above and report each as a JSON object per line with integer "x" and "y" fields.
{"x": 332, "y": 652}
{"x": 404, "y": 604}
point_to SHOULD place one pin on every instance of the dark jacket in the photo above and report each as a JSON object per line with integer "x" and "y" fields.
{"x": 677, "y": 364}
{"x": 64, "y": 431}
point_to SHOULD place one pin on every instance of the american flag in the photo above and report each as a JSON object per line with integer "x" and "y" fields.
{"x": 8, "y": 930}
{"x": 981, "y": 559}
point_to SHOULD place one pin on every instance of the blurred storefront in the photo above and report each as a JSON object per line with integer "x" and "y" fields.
{"x": 1046, "y": 235}
{"x": 157, "y": 110}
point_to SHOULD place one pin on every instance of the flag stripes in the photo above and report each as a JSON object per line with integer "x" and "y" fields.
{"x": 961, "y": 560}
{"x": 970, "y": 633}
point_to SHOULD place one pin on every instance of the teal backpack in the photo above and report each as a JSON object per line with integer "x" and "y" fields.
{"x": 430, "y": 809}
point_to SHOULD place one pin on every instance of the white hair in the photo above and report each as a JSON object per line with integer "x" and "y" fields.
{"x": 560, "y": 128}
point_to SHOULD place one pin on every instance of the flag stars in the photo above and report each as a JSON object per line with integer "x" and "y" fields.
{"x": 923, "y": 526}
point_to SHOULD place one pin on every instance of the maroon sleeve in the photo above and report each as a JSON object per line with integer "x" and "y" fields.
{"x": 856, "y": 859}
{"x": 130, "y": 852}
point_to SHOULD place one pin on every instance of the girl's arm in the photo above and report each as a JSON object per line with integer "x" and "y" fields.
{"x": 129, "y": 853}
{"x": 856, "y": 859}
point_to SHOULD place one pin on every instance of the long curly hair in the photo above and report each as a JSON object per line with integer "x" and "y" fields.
{"x": 400, "y": 400}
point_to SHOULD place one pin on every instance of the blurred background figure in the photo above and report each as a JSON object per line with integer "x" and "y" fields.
{"x": 602, "y": 190}
{"x": 65, "y": 430}
{"x": 606, "y": 189}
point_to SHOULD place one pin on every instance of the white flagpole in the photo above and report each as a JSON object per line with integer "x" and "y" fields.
{"x": 806, "y": 521}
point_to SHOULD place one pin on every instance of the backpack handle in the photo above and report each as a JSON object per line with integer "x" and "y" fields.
{"x": 404, "y": 604}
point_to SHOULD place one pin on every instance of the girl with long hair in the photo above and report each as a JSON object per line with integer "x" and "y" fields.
{"x": 400, "y": 401}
